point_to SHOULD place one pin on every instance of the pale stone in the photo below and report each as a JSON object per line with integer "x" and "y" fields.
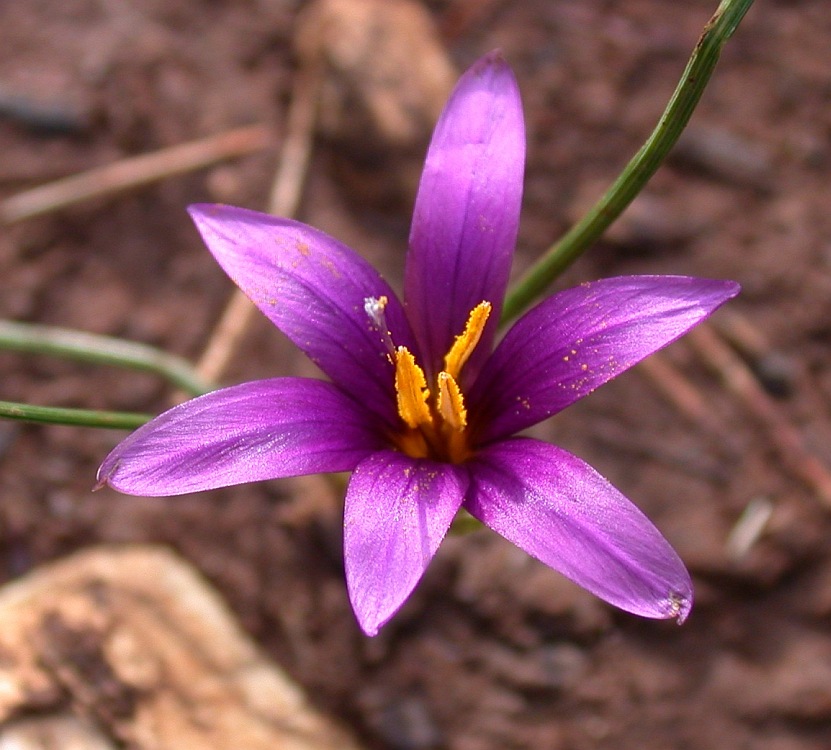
{"x": 139, "y": 642}
{"x": 56, "y": 732}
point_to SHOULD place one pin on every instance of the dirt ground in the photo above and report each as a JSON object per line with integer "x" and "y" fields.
{"x": 493, "y": 650}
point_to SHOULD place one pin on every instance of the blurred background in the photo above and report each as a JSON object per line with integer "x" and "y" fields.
{"x": 723, "y": 440}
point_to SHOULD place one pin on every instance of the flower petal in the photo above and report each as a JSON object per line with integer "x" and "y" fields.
{"x": 313, "y": 289}
{"x": 259, "y": 430}
{"x": 561, "y": 511}
{"x": 467, "y": 211}
{"x": 397, "y": 511}
{"x": 580, "y": 338}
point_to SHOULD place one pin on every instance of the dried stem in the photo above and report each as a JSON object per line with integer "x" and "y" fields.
{"x": 685, "y": 397}
{"x": 785, "y": 437}
{"x": 134, "y": 172}
{"x": 749, "y": 528}
{"x": 283, "y": 201}
{"x": 675, "y": 387}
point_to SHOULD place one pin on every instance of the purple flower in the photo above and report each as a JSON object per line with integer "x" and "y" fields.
{"x": 419, "y": 407}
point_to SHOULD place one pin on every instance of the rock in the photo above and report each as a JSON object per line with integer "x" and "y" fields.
{"x": 63, "y": 731}
{"x": 134, "y": 639}
{"x": 406, "y": 724}
{"x": 555, "y": 667}
{"x": 652, "y": 222}
{"x": 386, "y": 79}
{"x": 725, "y": 156}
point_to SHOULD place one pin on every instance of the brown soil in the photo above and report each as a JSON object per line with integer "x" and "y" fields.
{"x": 493, "y": 650}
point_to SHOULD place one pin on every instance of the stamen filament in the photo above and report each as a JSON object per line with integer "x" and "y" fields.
{"x": 374, "y": 308}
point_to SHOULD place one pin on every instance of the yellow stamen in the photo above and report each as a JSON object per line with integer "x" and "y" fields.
{"x": 411, "y": 388}
{"x": 436, "y": 422}
{"x": 464, "y": 344}
{"x": 451, "y": 404}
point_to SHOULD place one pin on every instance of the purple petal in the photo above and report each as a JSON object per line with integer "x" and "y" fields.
{"x": 312, "y": 288}
{"x": 260, "y": 430}
{"x": 397, "y": 511}
{"x": 467, "y": 211}
{"x": 580, "y": 338}
{"x": 561, "y": 511}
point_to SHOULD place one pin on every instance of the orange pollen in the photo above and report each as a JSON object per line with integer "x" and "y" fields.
{"x": 437, "y": 420}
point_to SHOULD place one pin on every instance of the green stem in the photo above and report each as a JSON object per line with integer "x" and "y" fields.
{"x": 115, "y": 420}
{"x": 88, "y": 347}
{"x": 642, "y": 166}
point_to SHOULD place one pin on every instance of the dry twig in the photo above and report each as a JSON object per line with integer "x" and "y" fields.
{"x": 284, "y": 201}
{"x": 685, "y": 397}
{"x": 372, "y": 77}
{"x": 749, "y": 528}
{"x": 676, "y": 388}
{"x": 133, "y": 172}
{"x": 774, "y": 370}
{"x": 787, "y": 440}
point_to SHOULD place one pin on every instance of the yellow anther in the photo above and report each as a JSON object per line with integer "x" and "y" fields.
{"x": 411, "y": 388}
{"x": 464, "y": 344}
{"x": 451, "y": 404}
{"x": 437, "y": 421}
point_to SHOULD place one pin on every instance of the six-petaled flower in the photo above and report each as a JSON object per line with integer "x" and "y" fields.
{"x": 419, "y": 404}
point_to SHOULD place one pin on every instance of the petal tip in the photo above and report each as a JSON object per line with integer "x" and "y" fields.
{"x": 370, "y": 619}
{"x": 731, "y": 288}
{"x": 107, "y": 477}
{"x": 495, "y": 67}
{"x": 679, "y": 606}
{"x": 715, "y": 292}
{"x": 104, "y": 473}
{"x": 369, "y": 628}
{"x": 735, "y": 288}
{"x": 200, "y": 209}
{"x": 202, "y": 213}
{"x": 494, "y": 58}
{"x": 371, "y": 608}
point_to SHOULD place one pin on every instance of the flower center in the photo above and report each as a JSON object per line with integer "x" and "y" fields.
{"x": 435, "y": 417}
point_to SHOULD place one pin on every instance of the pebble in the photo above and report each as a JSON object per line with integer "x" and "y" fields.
{"x": 387, "y": 78}
{"x": 43, "y": 117}
{"x": 726, "y": 156}
{"x": 406, "y": 724}
{"x": 63, "y": 731}
{"x": 555, "y": 667}
{"x": 792, "y": 683}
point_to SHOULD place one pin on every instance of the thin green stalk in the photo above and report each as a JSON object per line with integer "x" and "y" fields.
{"x": 88, "y": 347}
{"x": 642, "y": 166}
{"x": 115, "y": 420}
